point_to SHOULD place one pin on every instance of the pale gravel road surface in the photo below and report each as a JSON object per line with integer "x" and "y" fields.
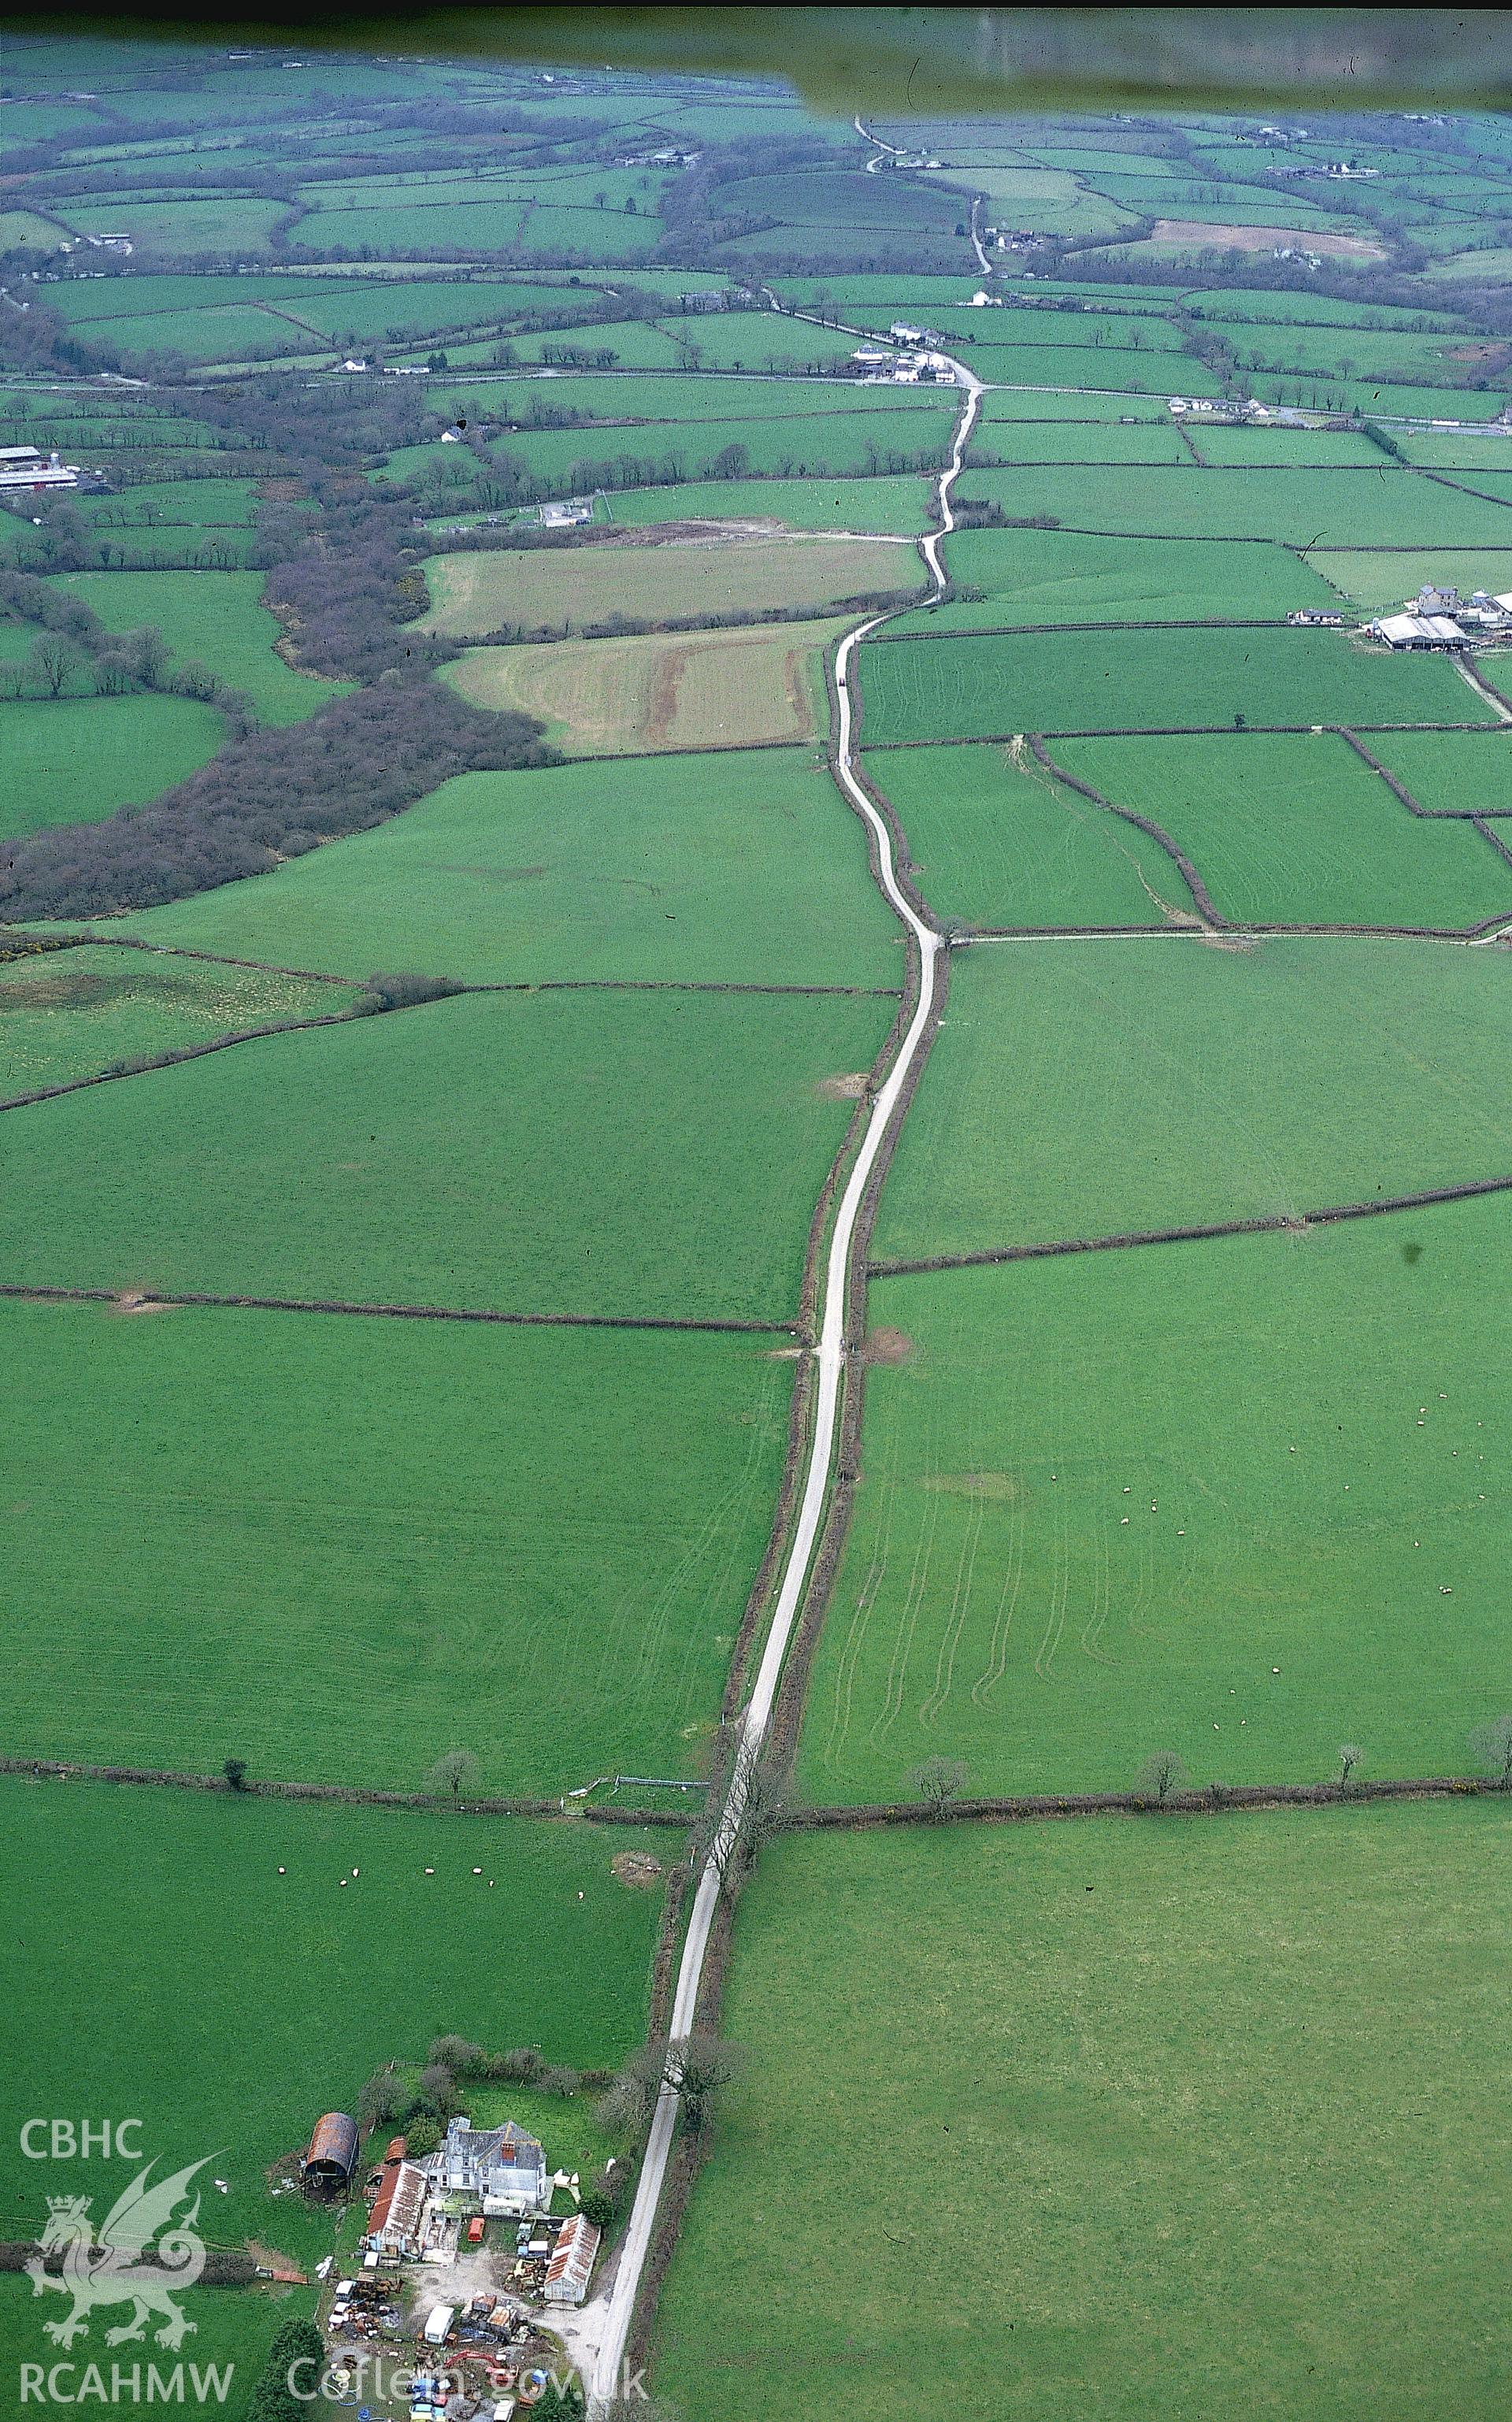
{"x": 602, "y": 2351}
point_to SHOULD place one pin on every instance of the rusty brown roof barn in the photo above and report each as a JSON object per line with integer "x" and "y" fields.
{"x": 332, "y": 2153}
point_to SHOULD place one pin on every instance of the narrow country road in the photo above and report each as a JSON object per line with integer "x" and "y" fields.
{"x": 607, "y": 2356}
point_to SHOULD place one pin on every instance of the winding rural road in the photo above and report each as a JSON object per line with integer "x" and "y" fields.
{"x": 604, "y": 2358}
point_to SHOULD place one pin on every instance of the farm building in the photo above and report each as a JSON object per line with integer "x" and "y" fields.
{"x": 570, "y": 2266}
{"x": 1418, "y": 631}
{"x": 25, "y": 467}
{"x": 503, "y": 2167}
{"x": 398, "y": 2208}
{"x": 327, "y": 2167}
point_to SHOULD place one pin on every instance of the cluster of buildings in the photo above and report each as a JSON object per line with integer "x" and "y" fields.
{"x": 438, "y": 2208}
{"x": 1441, "y": 618}
{"x": 909, "y": 361}
{"x": 25, "y": 470}
{"x": 1232, "y": 411}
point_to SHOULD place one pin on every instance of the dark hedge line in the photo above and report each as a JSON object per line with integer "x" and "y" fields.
{"x": 269, "y": 795}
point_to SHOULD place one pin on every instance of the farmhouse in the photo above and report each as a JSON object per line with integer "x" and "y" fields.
{"x": 502, "y": 2168}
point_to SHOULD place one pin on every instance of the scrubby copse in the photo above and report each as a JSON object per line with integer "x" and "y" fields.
{"x": 270, "y": 794}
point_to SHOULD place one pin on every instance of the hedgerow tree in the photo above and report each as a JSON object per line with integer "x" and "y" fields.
{"x": 455, "y": 1771}
{"x": 1491, "y": 1743}
{"x": 294, "y": 2363}
{"x": 940, "y": 1781}
{"x": 1160, "y": 1775}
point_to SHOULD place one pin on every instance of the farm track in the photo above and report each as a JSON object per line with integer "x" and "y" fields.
{"x": 843, "y": 1268}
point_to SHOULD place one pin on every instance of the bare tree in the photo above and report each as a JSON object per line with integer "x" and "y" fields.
{"x": 940, "y": 1781}
{"x": 1350, "y": 1755}
{"x": 455, "y": 1770}
{"x": 1160, "y": 1775}
{"x": 53, "y": 663}
{"x": 625, "y": 2108}
{"x": 1492, "y": 1746}
{"x": 699, "y": 2066}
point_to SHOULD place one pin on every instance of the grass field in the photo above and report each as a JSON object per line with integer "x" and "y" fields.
{"x": 1162, "y": 1084}
{"x": 1220, "y": 2106}
{"x": 1327, "y": 509}
{"x": 823, "y": 443}
{"x": 1454, "y": 769}
{"x": 215, "y": 618}
{"x": 1139, "y": 679}
{"x": 1298, "y": 831}
{"x": 1070, "y": 576}
{"x": 897, "y": 505}
{"x": 560, "y": 588}
{"x": 287, "y": 2001}
{"x": 995, "y": 841}
{"x": 75, "y": 759}
{"x": 732, "y": 688}
{"x": 1390, "y": 575}
{"x": 337, "y": 1547}
{"x": 989, "y": 1606}
{"x": 68, "y": 1013}
{"x": 481, "y": 1152}
{"x": 645, "y": 870}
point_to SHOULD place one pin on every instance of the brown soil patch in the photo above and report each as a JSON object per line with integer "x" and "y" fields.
{"x": 661, "y": 707}
{"x": 283, "y": 492}
{"x": 1214, "y": 940}
{"x": 842, "y": 1088}
{"x": 887, "y": 1346}
{"x": 1264, "y": 239}
{"x": 285, "y": 2270}
{"x": 134, "y": 1300}
{"x": 784, "y": 1354}
{"x": 636, "y": 1869}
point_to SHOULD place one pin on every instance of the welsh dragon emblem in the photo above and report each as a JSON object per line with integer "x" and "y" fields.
{"x": 108, "y": 2270}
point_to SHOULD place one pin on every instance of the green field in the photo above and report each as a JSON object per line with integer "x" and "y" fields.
{"x": 484, "y": 1152}
{"x": 1299, "y": 831}
{"x": 1030, "y": 576}
{"x": 1148, "y": 681}
{"x": 567, "y": 588}
{"x": 288, "y": 1998}
{"x": 1157, "y": 1085}
{"x": 210, "y": 618}
{"x": 1388, "y": 577}
{"x": 73, "y": 761}
{"x": 1454, "y": 770}
{"x": 69, "y": 1013}
{"x": 337, "y": 1547}
{"x": 828, "y": 445}
{"x": 994, "y": 841}
{"x": 635, "y": 871}
{"x": 893, "y": 506}
{"x": 1332, "y": 509}
{"x": 1220, "y": 2103}
{"x": 989, "y": 1606}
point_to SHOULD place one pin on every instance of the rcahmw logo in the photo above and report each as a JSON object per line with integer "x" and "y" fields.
{"x": 147, "y": 2253}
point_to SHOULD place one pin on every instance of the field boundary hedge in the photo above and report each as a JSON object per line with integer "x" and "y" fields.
{"x": 1414, "y": 807}
{"x": 1266, "y": 1224}
{"x": 139, "y": 1296}
{"x": 1218, "y": 1799}
{"x": 357, "y": 1795}
{"x": 1178, "y": 856}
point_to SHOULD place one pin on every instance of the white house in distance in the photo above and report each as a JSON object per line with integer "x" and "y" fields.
{"x": 503, "y": 2167}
